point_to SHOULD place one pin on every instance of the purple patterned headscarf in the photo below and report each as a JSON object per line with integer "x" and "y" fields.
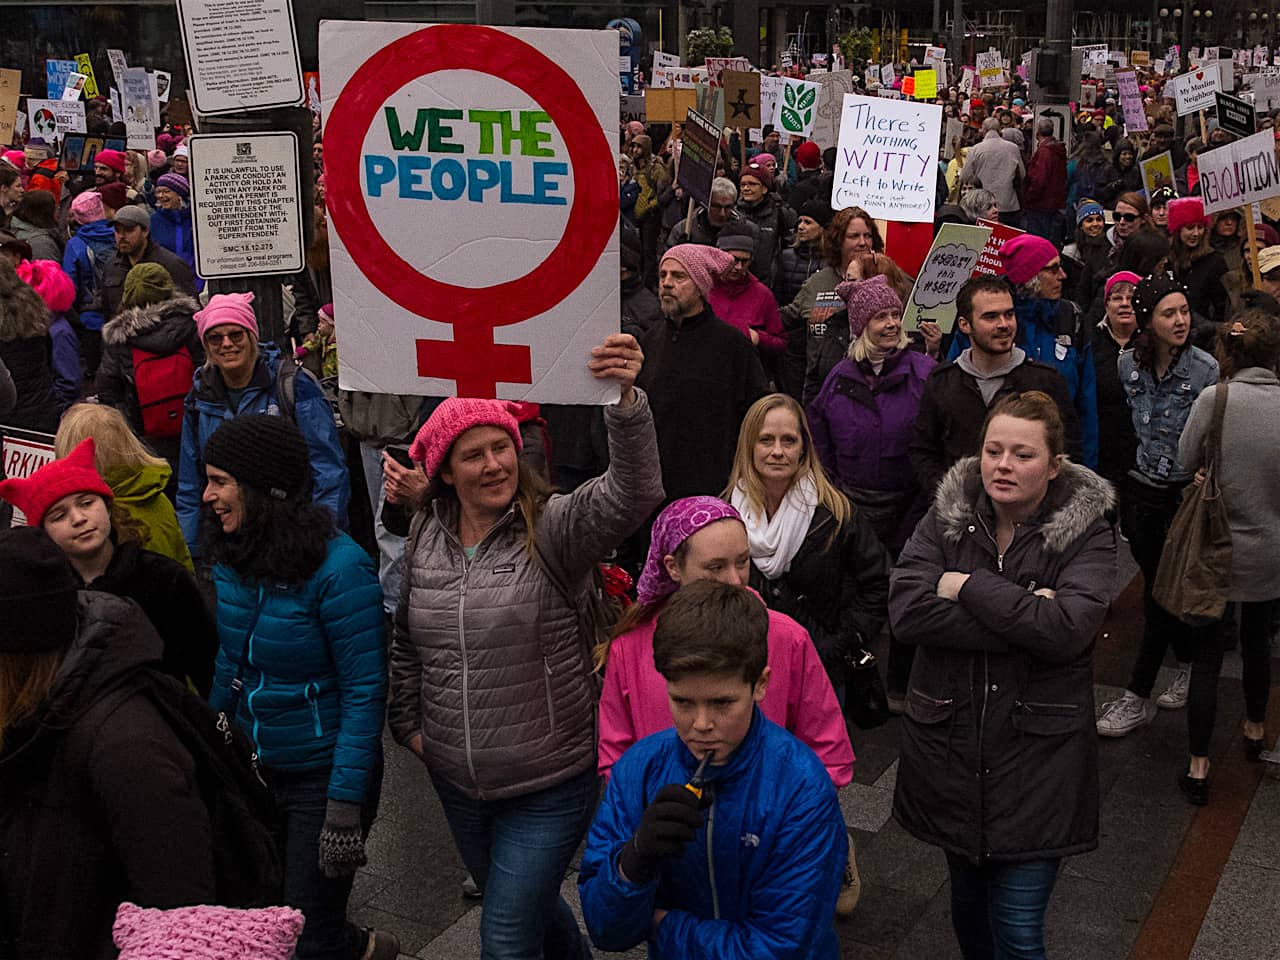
{"x": 676, "y": 524}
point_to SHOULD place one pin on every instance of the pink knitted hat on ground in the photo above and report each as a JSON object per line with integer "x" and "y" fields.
{"x": 451, "y": 420}
{"x": 1024, "y": 256}
{"x": 236, "y": 308}
{"x": 704, "y": 264}
{"x": 206, "y": 933}
{"x": 87, "y": 207}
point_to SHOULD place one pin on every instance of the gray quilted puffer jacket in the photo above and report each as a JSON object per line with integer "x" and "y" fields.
{"x": 489, "y": 662}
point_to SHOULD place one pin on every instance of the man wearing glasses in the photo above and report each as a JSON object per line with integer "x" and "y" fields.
{"x": 711, "y": 219}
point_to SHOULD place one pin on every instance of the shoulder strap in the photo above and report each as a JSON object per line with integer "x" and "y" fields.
{"x": 287, "y": 388}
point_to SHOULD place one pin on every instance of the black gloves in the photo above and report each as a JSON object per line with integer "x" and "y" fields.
{"x": 668, "y": 823}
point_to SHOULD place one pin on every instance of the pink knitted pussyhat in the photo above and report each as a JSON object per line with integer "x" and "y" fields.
{"x": 206, "y": 933}
{"x": 451, "y": 420}
{"x": 703, "y": 264}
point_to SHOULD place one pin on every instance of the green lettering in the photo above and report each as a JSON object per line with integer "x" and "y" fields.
{"x": 400, "y": 140}
{"x": 531, "y": 137}
{"x": 436, "y": 142}
{"x": 485, "y": 120}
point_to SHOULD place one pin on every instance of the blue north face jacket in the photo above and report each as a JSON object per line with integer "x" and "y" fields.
{"x": 762, "y": 876}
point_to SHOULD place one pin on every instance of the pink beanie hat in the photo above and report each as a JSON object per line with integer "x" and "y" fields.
{"x": 46, "y": 278}
{"x": 17, "y": 158}
{"x": 1185, "y": 211}
{"x": 1024, "y": 256}
{"x": 206, "y": 933}
{"x": 156, "y": 159}
{"x": 451, "y": 420}
{"x": 87, "y": 207}
{"x": 866, "y": 298}
{"x": 1123, "y": 276}
{"x": 704, "y": 264}
{"x": 223, "y": 308}
{"x": 111, "y": 158}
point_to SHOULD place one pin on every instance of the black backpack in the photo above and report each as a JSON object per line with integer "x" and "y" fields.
{"x": 243, "y": 816}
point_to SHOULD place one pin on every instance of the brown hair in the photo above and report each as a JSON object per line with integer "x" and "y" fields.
{"x": 25, "y": 682}
{"x": 1032, "y": 405}
{"x": 1251, "y": 339}
{"x": 744, "y": 468}
{"x": 712, "y": 627}
{"x": 833, "y": 237}
{"x": 532, "y": 493}
{"x": 1181, "y": 257}
{"x": 1138, "y": 202}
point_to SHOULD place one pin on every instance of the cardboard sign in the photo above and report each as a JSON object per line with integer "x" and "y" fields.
{"x": 1140, "y": 58}
{"x": 1135, "y": 117}
{"x": 1195, "y": 90}
{"x": 50, "y": 119}
{"x": 886, "y": 160}
{"x": 10, "y": 91}
{"x": 741, "y": 98}
{"x": 989, "y": 262}
{"x": 967, "y": 77}
{"x": 926, "y": 85}
{"x": 1157, "y": 172}
{"x": 84, "y": 64}
{"x": 56, "y": 73}
{"x": 246, "y": 204}
{"x": 631, "y": 107}
{"x": 949, "y": 263}
{"x": 991, "y": 70}
{"x": 668, "y": 104}
{"x": 831, "y": 90}
{"x": 473, "y": 193}
{"x": 954, "y": 132}
{"x": 24, "y": 452}
{"x": 241, "y": 55}
{"x": 137, "y": 102}
{"x": 701, "y": 144}
{"x": 797, "y": 108}
{"x": 1244, "y": 171}
{"x": 1236, "y": 115}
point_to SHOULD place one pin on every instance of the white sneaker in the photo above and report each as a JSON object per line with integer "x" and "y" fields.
{"x": 850, "y": 887}
{"x": 1175, "y": 696}
{"x": 1121, "y": 716}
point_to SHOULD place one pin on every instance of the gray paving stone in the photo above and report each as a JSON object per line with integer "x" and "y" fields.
{"x": 1259, "y": 841}
{"x": 413, "y": 934}
{"x": 899, "y": 861}
{"x": 869, "y": 807}
{"x": 1241, "y": 922}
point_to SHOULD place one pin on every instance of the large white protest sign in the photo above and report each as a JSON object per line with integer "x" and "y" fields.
{"x": 137, "y": 98}
{"x": 246, "y": 204}
{"x": 24, "y": 452}
{"x": 832, "y": 88}
{"x": 950, "y": 262}
{"x": 472, "y": 191}
{"x": 797, "y": 108}
{"x": 991, "y": 72}
{"x": 1244, "y": 171}
{"x": 241, "y": 55}
{"x": 887, "y": 158}
{"x": 1194, "y": 91}
{"x": 50, "y": 119}
{"x": 770, "y": 94}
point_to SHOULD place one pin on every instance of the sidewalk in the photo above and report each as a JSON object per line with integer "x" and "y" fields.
{"x": 1167, "y": 882}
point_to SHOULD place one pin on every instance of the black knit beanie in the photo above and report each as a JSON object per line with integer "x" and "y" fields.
{"x": 263, "y": 452}
{"x": 37, "y": 593}
{"x": 1151, "y": 291}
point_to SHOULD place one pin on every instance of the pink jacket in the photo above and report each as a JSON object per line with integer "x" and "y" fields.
{"x": 748, "y": 307}
{"x": 800, "y": 699}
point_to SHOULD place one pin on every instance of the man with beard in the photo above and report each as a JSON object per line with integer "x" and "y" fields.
{"x": 701, "y": 375}
{"x": 108, "y": 167}
{"x": 957, "y": 395}
{"x": 132, "y": 225}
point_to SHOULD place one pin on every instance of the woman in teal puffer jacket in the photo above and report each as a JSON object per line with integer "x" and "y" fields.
{"x": 301, "y": 666}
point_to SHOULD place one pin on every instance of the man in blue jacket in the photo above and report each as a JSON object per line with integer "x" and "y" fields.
{"x": 721, "y": 837}
{"x": 240, "y": 377}
{"x": 1049, "y": 329}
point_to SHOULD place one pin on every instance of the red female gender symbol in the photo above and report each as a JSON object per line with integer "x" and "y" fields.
{"x": 472, "y": 359}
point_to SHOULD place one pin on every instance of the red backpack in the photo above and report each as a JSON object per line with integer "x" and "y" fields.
{"x": 162, "y": 381}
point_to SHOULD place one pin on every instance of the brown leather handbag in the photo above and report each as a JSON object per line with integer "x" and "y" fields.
{"x": 1195, "y": 564}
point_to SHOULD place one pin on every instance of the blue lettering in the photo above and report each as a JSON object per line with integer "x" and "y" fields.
{"x": 378, "y": 172}
{"x": 452, "y": 169}
{"x": 482, "y": 175}
{"x": 542, "y": 189}
{"x": 411, "y": 170}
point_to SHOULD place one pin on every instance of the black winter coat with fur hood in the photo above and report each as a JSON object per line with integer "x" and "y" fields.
{"x": 999, "y": 756}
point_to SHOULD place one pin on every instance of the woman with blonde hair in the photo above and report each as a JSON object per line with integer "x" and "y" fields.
{"x": 136, "y": 476}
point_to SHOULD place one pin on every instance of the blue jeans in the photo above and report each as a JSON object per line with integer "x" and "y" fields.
{"x": 997, "y": 910}
{"x": 517, "y": 851}
{"x": 302, "y": 798}
{"x": 390, "y": 546}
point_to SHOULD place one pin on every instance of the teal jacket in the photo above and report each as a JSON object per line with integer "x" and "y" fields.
{"x": 314, "y": 687}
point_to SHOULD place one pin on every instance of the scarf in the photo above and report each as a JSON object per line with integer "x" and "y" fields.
{"x": 774, "y": 543}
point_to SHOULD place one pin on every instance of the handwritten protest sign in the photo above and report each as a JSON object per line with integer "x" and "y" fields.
{"x": 886, "y": 158}
{"x": 989, "y": 262}
{"x": 1157, "y": 172}
{"x": 991, "y": 70}
{"x": 711, "y": 103}
{"x": 10, "y": 91}
{"x": 56, "y": 73}
{"x": 831, "y": 90}
{"x": 137, "y": 98}
{"x": 79, "y": 151}
{"x": 246, "y": 204}
{"x": 50, "y": 119}
{"x": 770, "y": 94}
{"x": 741, "y": 98}
{"x": 926, "y": 87}
{"x": 718, "y": 65}
{"x": 949, "y": 263}
{"x": 701, "y": 140}
{"x": 1244, "y": 171}
{"x": 631, "y": 107}
{"x": 663, "y": 64}
{"x": 84, "y": 64}
{"x": 24, "y": 452}
{"x": 472, "y": 192}
{"x": 1194, "y": 91}
{"x": 797, "y": 108}
{"x": 241, "y": 55}
{"x": 1135, "y": 118}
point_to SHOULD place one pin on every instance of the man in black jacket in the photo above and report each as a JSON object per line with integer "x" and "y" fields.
{"x": 957, "y": 394}
{"x": 134, "y": 245}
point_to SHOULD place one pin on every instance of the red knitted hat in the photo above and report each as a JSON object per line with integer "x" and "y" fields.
{"x": 451, "y": 420}
{"x": 74, "y": 473}
{"x": 808, "y": 156}
{"x": 113, "y": 159}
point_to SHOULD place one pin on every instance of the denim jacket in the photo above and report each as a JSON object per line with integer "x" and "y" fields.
{"x": 1160, "y": 409}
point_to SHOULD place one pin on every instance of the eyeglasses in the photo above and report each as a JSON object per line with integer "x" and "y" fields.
{"x": 235, "y": 337}
{"x": 1128, "y": 217}
{"x": 723, "y": 206}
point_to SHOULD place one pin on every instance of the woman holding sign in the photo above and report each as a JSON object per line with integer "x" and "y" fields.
{"x": 491, "y": 678}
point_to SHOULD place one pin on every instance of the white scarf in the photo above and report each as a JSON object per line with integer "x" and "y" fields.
{"x": 774, "y": 543}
